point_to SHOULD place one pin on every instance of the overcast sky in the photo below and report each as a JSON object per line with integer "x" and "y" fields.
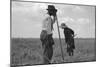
{"x": 27, "y": 18}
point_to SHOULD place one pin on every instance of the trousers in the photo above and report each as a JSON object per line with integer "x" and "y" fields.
{"x": 47, "y": 44}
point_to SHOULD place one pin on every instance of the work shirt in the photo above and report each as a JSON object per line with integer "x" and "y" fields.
{"x": 68, "y": 32}
{"x": 47, "y": 24}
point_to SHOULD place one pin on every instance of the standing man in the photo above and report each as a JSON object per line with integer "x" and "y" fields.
{"x": 69, "y": 38}
{"x": 46, "y": 34}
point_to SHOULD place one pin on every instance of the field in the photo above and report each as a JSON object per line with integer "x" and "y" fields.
{"x": 28, "y": 51}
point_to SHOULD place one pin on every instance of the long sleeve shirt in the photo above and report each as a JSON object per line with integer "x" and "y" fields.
{"x": 47, "y": 24}
{"x": 68, "y": 32}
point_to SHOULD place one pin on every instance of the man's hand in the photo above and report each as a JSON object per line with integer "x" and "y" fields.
{"x": 54, "y": 13}
{"x": 55, "y": 18}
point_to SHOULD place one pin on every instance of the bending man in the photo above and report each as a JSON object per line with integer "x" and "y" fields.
{"x": 69, "y": 38}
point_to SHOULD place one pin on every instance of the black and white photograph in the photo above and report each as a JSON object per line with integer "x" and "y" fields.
{"x": 45, "y": 33}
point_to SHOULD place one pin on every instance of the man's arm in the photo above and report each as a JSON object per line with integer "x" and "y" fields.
{"x": 54, "y": 16}
{"x": 72, "y": 32}
{"x": 54, "y": 19}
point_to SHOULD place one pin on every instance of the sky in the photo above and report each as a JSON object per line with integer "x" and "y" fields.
{"x": 27, "y": 19}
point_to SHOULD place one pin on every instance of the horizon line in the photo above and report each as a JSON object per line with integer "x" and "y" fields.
{"x": 54, "y": 37}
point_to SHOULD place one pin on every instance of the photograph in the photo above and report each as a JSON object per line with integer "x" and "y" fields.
{"x": 45, "y": 33}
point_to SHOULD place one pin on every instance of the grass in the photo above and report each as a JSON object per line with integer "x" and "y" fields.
{"x": 28, "y": 51}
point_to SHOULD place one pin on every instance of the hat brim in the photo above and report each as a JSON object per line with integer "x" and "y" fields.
{"x": 52, "y": 9}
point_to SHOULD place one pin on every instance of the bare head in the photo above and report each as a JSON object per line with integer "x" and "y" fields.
{"x": 63, "y": 25}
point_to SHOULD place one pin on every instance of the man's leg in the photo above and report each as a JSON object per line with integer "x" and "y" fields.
{"x": 45, "y": 56}
{"x": 48, "y": 52}
{"x": 72, "y": 46}
{"x": 72, "y": 52}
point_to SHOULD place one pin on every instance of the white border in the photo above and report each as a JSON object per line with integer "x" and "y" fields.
{"x": 5, "y": 33}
